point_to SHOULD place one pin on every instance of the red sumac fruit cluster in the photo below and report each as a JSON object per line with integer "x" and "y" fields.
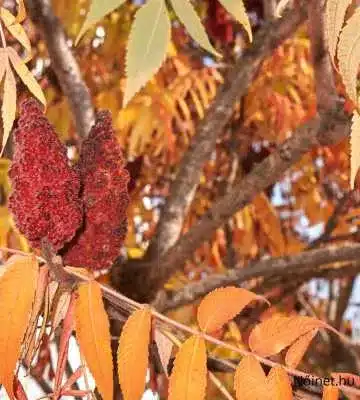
{"x": 80, "y": 210}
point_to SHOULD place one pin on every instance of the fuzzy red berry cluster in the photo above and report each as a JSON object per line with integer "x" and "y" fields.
{"x": 105, "y": 198}
{"x": 45, "y": 199}
{"x": 79, "y": 210}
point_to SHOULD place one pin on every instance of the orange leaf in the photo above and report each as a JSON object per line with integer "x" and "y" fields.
{"x": 330, "y": 392}
{"x": 250, "y": 380}
{"x": 297, "y": 350}
{"x": 188, "y": 378}
{"x": 279, "y": 384}
{"x": 17, "y": 291}
{"x": 133, "y": 354}
{"x": 276, "y": 333}
{"x": 93, "y": 334}
{"x": 222, "y": 305}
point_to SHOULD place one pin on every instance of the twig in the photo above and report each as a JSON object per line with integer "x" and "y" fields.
{"x": 162, "y": 319}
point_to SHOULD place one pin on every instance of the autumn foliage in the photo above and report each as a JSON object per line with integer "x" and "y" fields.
{"x": 165, "y": 244}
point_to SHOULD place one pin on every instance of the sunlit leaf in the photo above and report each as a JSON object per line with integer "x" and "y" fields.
{"x": 25, "y": 75}
{"x": 276, "y": 333}
{"x": 8, "y": 108}
{"x": 188, "y": 378}
{"x": 133, "y": 354}
{"x": 237, "y": 9}
{"x": 222, "y": 305}
{"x": 187, "y": 15}
{"x": 250, "y": 380}
{"x": 148, "y": 42}
{"x": 334, "y": 20}
{"x": 93, "y": 335}
{"x": 354, "y": 147}
{"x": 349, "y": 54}
{"x": 297, "y": 350}
{"x": 17, "y": 291}
{"x": 279, "y": 384}
{"x": 98, "y": 10}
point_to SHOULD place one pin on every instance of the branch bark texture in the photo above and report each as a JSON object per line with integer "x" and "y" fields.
{"x": 298, "y": 264}
{"x": 184, "y": 186}
{"x": 64, "y": 64}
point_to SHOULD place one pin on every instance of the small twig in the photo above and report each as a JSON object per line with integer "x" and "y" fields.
{"x": 169, "y": 322}
{"x": 217, "y": 382}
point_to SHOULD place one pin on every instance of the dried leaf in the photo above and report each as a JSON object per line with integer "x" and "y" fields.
{"x": 354, "y": 148}
{"x": 237, "y": 10}
{"x": 222, "y": 305}
{"x": 133, "y": 354}
{"x": 189, "y": 375}
{"x": 187, "y": 15}
{"x": 349, "y": 54}
{"x": 8, "y": 109}
{"x": 98, "y": 10}
{"x": 276, "y": 333}
{"x": 66, "y": 333}
{"x": 17, "y": 291}
{"x": 279, "y": 384}
{"x": 93, "y": 335}
{"x": 25, "y": 75}
{"x": 164, "y": 346}
{"x": 36, "y": 309}
{"x": 250, "y": 380}
{"x": 297, "y": 350}
{"x": 148, "y": 42}
{"x": 60, "y": 309}
{"x": 334, "y": 20}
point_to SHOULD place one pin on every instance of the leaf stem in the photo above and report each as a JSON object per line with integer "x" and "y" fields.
{"x": 160, "y": 317}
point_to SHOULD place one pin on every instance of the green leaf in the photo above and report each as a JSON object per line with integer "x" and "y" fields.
{"x": 148, "y": 42}
{"x": 237, "y": 9}
{"x": 98, "y": 10}
{"x": 187, "y": 15}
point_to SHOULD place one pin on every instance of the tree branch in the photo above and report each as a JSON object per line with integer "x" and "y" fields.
{"x": 64, "y": 64}
{"x": 183, "y": 188}
{"x": 298, "y": 264}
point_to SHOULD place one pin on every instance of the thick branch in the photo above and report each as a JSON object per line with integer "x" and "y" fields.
{"x": 326, "y": 129}
{"x": 183, "y": 188}
{"x": 300, "y": 264}
{"x": 64, "y": 64}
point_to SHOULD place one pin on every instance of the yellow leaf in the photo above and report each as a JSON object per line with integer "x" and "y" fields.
{"x": 133, "y": 354}
{"x": 237, "y": 9}
{"x": 93, "y": 335}
{"x": 17, "y": 291}
{"x": 334, "y": 20}
{"x": 186, "y": 13}
{"x": 15, "y": 29}
{"x": 349, "y": 54}
{"x": 330, "y": 392}
{"x": 297, "y": 350}
{"x": 25, "y": 75}
{"x": 354, "y": 148}
{"x": 278, "y": 332}
{"x": 222, "y": 305}
{"x": 189, "y": 375}
{"x": 279, "y": 384}
{"x": 8, "y": 109}
{"x": 148, "y": 42}
{"x": 21, "y": 15}
{"x": 98, "y": 10}
{"x": 250, "y": 380}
